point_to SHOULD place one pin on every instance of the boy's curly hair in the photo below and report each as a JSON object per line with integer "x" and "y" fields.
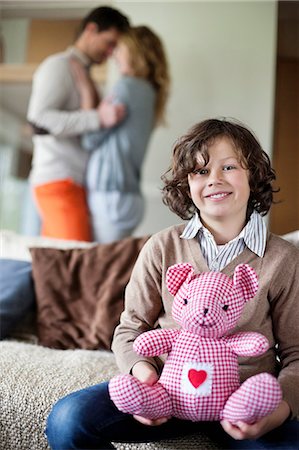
{"x": 176, "y": 193}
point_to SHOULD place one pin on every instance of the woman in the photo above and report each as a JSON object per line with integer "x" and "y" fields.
{"x": 113, "y": 175}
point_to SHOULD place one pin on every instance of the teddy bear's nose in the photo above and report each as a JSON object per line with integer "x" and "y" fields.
{"x": 205, "y": 311}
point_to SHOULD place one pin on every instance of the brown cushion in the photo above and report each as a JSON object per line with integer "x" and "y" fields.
{"x": 80, "y": 292}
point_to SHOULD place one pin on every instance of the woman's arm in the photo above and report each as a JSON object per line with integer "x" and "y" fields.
{"x": 52, "y": 89}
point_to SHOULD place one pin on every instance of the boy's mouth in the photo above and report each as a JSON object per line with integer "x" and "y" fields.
{"x": 218, "y": 195}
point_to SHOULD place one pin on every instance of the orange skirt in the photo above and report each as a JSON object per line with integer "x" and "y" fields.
{"x": 64, "y": 211}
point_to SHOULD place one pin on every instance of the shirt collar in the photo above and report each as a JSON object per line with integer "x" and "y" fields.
{"x": 254, "y": 233}
{"x": 192, "y": 228}
{"x": 83, "y": 58}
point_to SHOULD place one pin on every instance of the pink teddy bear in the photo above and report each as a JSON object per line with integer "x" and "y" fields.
{"x": 200, "y": 378}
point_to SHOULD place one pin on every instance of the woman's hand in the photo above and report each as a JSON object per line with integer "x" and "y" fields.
{"x": 242, "y": 430}
{"x": 89, "y": 97}
{"x": 147, "y": 373}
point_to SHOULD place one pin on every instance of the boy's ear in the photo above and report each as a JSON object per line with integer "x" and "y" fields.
{"x": 176, "y": 275}
{"x": 245, "y": 278}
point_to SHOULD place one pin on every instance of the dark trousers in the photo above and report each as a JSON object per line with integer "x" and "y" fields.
{"x": 88, "y": 419}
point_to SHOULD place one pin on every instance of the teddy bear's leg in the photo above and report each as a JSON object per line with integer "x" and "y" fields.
{"x": 134, "y": 397}
{"x": 257, "y": 397}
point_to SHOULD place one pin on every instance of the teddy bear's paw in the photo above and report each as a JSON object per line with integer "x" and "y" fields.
{"x": 257, "y": 397}
{"x": 126, "y": 394}
{"x": 134, "y": 397}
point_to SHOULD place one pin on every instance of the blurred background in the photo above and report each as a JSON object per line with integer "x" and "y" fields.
{"x": 227, "y": 58}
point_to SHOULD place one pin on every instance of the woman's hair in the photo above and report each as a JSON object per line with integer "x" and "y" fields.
{"x": 148, "y": 60}
{"x": 176, "y": 193}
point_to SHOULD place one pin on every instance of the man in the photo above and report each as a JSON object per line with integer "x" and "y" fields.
{"x": 59, "y": 162}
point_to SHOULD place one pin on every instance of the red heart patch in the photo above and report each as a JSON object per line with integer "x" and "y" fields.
{"x": 197, "y": 377}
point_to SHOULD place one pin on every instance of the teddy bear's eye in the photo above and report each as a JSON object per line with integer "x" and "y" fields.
{"x": 225, "y": 307}
{"x": 185, "y": 301}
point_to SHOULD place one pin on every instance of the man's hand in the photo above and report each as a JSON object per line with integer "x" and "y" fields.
{"x": 146, "y": 373}
{"x": 110, "y": 113}
{"x": 242, "y": 430}
{"x": 89, "y": 97}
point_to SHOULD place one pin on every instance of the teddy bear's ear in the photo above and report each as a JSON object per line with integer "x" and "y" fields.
{"x": 245, "y": 278}
{"x": 176, "y": 275}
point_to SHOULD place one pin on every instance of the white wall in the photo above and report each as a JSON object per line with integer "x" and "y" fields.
{"x": 222, "y": 59}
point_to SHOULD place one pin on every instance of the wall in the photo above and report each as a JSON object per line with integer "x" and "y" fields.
{"x": 222, "y": 59}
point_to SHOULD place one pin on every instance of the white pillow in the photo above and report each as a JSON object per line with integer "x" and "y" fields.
{"x": 16, "y": 246}
{"x": 292, "y": 237}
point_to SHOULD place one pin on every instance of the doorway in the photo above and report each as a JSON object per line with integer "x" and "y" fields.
{"x": 284, "y": 216}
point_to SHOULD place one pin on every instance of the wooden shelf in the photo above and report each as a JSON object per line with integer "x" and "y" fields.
{"x": 16, "y": 73}
{"x": 22, "y": 73}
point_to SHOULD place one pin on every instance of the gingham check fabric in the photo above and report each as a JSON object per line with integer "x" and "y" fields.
{"x": 248, "y": 399}
{"x": 200, "y": 379}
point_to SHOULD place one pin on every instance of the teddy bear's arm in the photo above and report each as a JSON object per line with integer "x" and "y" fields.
{"x": 247, "y": 343}
{"x": 155, "y": 342}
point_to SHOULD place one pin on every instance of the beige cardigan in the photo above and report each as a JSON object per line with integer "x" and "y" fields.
{"x": 274, "y": 312}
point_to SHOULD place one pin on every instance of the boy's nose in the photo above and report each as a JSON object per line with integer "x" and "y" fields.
{"x": 215, "y": 177}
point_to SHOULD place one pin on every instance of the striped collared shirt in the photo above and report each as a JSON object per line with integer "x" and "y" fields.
{"x": 217, "y": 257}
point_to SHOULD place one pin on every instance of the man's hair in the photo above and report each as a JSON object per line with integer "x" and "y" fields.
{"x": 176, "y": 193}
{"x": 105, "y": 17}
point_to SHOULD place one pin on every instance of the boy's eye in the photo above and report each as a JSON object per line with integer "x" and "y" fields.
{"x": 202, "y": 171}
{"x": 229, "y": 167}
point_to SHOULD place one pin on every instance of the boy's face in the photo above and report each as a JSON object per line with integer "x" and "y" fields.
{"x": 220, "y": 190}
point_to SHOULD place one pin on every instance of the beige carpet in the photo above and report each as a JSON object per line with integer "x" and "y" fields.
{"x": 34, "y": 377}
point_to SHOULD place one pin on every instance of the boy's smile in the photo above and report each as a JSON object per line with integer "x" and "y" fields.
{"x": 218, "y": 195}
{"x": 220, "y": 190}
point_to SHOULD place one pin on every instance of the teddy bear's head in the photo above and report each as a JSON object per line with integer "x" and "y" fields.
{"x": 209, "y": 304}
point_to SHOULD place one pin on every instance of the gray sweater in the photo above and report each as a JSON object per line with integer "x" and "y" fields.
{"x": 118, "y": 153}
{"x": 114, "y": 169}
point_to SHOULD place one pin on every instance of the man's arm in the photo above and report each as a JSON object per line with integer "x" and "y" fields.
{"x": 52, "y": 88}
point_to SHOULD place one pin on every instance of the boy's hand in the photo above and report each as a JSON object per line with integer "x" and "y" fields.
{"x": 146, "y": 373}
{"x": 243, "y": 430}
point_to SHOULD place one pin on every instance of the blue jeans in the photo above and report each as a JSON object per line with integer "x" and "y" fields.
{"x": 88, "y": 419}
